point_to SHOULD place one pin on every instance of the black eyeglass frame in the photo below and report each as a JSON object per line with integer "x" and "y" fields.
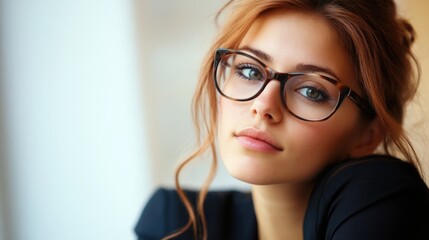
{"x": 271, "y": 74}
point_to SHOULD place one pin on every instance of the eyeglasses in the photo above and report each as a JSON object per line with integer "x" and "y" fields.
{"x": 308, "y": 96}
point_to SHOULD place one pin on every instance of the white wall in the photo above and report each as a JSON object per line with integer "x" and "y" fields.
{"x": 95, "y": 111}
{"x": 2, "y": 216}
{"x": 76, "y": 159}
{"x": 175, "y": 37}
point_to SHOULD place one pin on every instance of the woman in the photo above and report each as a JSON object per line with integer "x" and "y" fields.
{"x": 299, "y": 95}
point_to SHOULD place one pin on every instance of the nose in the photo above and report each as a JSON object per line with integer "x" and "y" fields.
{"x": 268, "y": 105}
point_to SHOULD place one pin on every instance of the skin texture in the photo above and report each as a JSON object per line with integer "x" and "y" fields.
{"x": 262, "y": 144}
{"x": 302, "y": 148}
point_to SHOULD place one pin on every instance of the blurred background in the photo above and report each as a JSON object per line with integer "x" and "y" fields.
{"x": 95, "y": 110}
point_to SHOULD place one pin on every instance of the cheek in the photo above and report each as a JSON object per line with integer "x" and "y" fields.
{"x": 229, "y": 113}
{"x": 346, "y": 128}
{"x": 317, "y": 145}
{"x": 333, "y": 139}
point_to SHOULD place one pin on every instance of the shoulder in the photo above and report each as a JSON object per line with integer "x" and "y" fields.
{"x": 165, "y": 213}
{"x": 156, "y": 220}
{"x": 377, "y": 196}
{"x": 378, "y": 173}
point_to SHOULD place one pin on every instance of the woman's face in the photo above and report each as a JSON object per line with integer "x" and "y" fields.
{"x": 259, "y": 141}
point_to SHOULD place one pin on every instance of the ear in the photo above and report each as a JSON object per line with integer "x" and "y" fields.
{"x": 370, "y": 138}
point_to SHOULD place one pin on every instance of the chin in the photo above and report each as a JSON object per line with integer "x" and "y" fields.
{"x": 254, "y": 180}
{"x": 254, "y": 176}
{"x": 258, "y": 174}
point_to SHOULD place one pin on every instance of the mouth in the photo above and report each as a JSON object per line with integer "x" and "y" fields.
{"x": 256, "y": 140}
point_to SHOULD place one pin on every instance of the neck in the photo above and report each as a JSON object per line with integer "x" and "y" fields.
{"x": 280, "y": 210}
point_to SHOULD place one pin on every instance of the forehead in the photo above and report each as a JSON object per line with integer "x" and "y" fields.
{"x": 291, "y": 38}
{"x": 292, "y": 28}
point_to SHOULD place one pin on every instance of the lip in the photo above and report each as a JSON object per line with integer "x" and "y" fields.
{"x": 257, "y": 140}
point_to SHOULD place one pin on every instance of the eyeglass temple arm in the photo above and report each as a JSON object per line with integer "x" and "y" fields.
{"x": 364, "y": 105}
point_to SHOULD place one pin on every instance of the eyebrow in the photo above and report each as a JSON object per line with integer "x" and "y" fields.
{"x": 300, "y": 67}
{"x": 260, "y": 54}
{"x": 314, "y": 68}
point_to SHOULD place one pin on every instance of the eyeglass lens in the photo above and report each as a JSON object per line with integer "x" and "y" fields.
{"x": 308, "y": 96}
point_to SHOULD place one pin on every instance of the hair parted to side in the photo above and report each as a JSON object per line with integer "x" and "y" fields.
{"x": 379, "y": 45}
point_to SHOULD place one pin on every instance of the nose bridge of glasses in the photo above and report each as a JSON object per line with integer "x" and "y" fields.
{"x": 281, "y": 77}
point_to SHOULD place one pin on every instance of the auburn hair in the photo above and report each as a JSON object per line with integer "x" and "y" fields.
{"x": 379, "y": 45}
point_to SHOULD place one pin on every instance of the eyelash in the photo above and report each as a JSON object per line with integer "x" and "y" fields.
{"x": 325, "y": 97}
{"x": 238, "y": 69}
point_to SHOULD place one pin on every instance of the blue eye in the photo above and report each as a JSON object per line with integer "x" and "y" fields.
{"x": 249, "y": 72}
{"x": 313, "y": 94}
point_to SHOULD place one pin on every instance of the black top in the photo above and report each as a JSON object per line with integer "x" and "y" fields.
{"x": 377, "y": 197}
